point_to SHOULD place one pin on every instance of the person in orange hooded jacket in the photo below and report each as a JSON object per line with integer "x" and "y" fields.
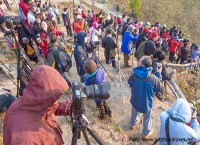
{"x": 31, "y": 119}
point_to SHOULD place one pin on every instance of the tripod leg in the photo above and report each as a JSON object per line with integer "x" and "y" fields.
{"x": 124, "y": 77}
{"x": 95, "y": 136}
{"x": 86, "y": 137}
{"x": 75, "y": 137}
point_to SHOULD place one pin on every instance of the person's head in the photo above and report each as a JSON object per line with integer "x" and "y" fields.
{"x": 129, "y": 20}
{"x": 81, "y": 38}
{"x": 146, "y": 31}
{"x": 95, "y": 25}
{"x": 27, "y": 1}
{"x": 42, "y": 91}
{"x": 196, "y": 47}
{"x": 160, "y": 55}
{"x": 44, "y": 26}
{"x": 39, "y": 18}
{"x": 154, "y": 36}
{"x": 90, "y": 66}
{"x": 131, "y": 29}
{"x": 65, "y": 9}
{"x": 78, "y": 17}
{"x": 109, "y": 31}
{"x": 53, "y": 37}
{"x": 145, "y": 61}
{"x": 33, "y": 8}
{"x": 181, "y": 110}
{"x": 176, "y": 38}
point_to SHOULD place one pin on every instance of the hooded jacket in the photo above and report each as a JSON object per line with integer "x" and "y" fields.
{"x": 80, "y": 53}
{"x": 95, "y": 78}
{"x": 179, "y": 130}
{"x": 195, "y": 54}
{"x": 31, "y": 119}
{"x": 127, "y": 42}
{"x": 143, "y": 86}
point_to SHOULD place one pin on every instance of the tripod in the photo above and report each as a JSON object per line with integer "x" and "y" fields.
{"x": 120, "y": 72}
{"x": 80, "y": 126}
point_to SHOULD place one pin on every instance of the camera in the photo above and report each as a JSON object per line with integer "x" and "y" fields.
{"x": 11, "y": 21}
{"x": 81, "y": 93}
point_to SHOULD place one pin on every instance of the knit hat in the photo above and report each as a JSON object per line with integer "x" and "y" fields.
{"x": 131, "y": 28}
{"x": 90, "y": 66}
{"x": 146, "y": 30}
{"x": 95, "y": 25}
{"x": 78, "y": 17}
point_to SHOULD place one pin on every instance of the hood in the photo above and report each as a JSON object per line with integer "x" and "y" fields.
{"x": 181, "y": 110}
{"x": 45, "y": 87}
{"x": 81, "y": 38}
{"x": 99, "y": 75}
{"x": 142, "y": 72}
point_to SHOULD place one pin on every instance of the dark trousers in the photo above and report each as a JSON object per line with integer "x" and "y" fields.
{"x": 58, "y": 19}
{"x": 126, "y": 59}
{"x": 171, "y": 56}
{"x": 104, "y": 109}
{"x": 178, "y": 59}
{"x": 69, "y": 30}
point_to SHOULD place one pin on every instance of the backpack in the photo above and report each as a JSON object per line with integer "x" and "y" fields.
{"x": 141, "y": 50}
{"x": 21, "y": 14}
{"x": 63, "y": 60}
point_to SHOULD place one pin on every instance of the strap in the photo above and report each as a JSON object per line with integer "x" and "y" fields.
{"x": 175, "y": 119}
{"x": 91, "y": 35}
{"x": 167, "y": 130}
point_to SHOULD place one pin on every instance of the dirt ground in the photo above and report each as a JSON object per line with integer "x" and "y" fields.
{"x": 114, "y": 131}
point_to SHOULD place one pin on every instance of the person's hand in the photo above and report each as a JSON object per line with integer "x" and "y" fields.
{"x": 159, "y": 68}
{"x": 194, "y": 114}
{"x": 84, "y": 121}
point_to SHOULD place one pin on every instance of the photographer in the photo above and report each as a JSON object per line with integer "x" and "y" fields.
{"x": 195, "y": 54}
{"x": 66, "y": 20}
{"x": 143, "y": 86}
{"x": 95, "y": 75}
{"x": 94, "y": 33}
{"x": 142, "y": 37}
{"x": 25, "y": 40}
{"x": 80, "y": 54}
{"x": 109, "y": 45}
{"x": 31, "y": 119}
{"x": 127, "y": 43}
{"x": 58, "y": 57}
{"x": 174, "y": 124}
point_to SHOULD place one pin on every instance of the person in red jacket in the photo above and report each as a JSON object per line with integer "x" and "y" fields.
{"x": 44, "y": 37}
{"x": 78, "y": 25}
{"x": 166, "y": 34}
{"x": 25, "y": 6}
{"x": 83, "y": 15}
{"x": 31, "y": 119}
{"x": 173, "y": 47}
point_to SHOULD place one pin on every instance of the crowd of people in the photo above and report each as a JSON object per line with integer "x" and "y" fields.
{"x": 31, "y": 118}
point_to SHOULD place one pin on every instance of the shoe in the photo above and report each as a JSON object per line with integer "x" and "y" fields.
{"x": 145, "y": 137}
{"x": 134, "y": 126}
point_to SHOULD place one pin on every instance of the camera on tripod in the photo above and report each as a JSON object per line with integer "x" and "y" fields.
{"x": 11, "y": 21}
{"x": 82, "y": 92}
{"x": 93, "y": 45}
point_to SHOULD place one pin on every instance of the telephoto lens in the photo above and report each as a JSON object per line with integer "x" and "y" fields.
{"x": 98, "y": 91}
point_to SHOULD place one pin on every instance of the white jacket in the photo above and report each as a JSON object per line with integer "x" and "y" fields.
{"x": 93, "y": 34}
{"x": 31, "y": 18}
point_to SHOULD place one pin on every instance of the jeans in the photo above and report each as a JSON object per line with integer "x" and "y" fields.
{"x": 147, "y": 122}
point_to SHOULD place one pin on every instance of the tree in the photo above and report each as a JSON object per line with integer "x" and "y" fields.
{"x": 136, "y": 6}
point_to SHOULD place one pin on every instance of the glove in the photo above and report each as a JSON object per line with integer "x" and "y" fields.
{"x": 84, "y": 121}
{"x": 194, "y": 114}
{"x": 159, "y": 69}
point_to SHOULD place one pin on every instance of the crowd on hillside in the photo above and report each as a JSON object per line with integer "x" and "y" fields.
{"x": 30, "y": 119}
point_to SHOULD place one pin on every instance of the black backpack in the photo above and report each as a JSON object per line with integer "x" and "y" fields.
{"x": 63, "y": 60}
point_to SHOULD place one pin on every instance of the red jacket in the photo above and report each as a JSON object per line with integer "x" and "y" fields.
{"x": 78, "y": 26}
{"x": 31, "y": 119}
{"x": 119, "y": 21}
{"x": 173, "y": 45}
{"x": 84, "y": 15}
{"x": 166, "y": 34}
{"x": 25, "y": 8}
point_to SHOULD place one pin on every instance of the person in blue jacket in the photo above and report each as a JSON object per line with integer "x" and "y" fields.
{"x": 175, "y": 121}
{"x": 95, "y": 75}
{"x": 195, "y": 54}
{"x": 80, "y": 55}
{"x": 143, "y": 86}
{"x": 128, "y": 43}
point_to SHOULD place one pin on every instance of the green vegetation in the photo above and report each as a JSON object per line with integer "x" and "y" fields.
{"x": 136, "y": 6}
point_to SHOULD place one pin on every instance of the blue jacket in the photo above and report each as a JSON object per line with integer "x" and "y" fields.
{"x": 80, "y": 53}
{"x": 143, "y": 86}
{"x": 180, "y": 110}
{"x": 127, "y": 42}
{"x": 195, "y": 54}
{"x": 95, "y": 78}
